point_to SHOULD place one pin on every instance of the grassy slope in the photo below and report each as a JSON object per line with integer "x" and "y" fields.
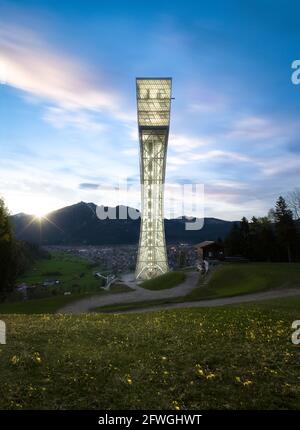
{"x": 235, "y": 279}
{"x": 224, "y": 358}
{"x": 230, "y": 280}
{"x": 163, "y": 282}
{"x": 39, "y": 306}
{"x": 52, "y": 304}
{"x": 71, "y": 269}
{"x": 76, "y": 273}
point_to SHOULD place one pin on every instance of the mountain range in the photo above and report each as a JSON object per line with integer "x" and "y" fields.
{"x": 79, "y": 224}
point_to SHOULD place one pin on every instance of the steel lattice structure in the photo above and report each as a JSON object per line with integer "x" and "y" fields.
{"x": 153, "y": 105}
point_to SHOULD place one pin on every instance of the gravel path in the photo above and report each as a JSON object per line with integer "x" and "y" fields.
{"x": 138, "y": 295}
{"x": 255, "y": 297}
{"x": 141, "y": 294}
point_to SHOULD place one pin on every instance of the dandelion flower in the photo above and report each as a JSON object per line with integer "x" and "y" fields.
{"x": 176, "y": 405}
{"x": 37, "y": 358}
{"x": 199, "y": 370}
{"x": 15, "y": 360}
{"x": 210, "y": 376}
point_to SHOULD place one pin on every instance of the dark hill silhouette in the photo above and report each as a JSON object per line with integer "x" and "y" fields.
{"x": 78, "y": 224}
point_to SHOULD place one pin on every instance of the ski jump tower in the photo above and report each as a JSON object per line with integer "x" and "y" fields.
{"x": 153, "y": 108}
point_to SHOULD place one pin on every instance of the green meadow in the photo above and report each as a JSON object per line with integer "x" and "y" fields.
{"x": 75, "y": 276}
{"x": 236, "y": 357}
{"x": 232, "y": 279}
{"x": 74, "y": 273}
{"x": 163, "y": 282}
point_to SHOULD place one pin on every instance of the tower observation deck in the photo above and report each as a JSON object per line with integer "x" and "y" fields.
{"x": 153, "y": 107}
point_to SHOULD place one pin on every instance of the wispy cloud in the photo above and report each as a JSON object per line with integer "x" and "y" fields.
{"x": 183, "y": 143}
{"x": 88, "y": 186}
{"x": 281, "y": 166}
{"x": 132, "y": 151}
{"x": 83, "y": 120}
{"x": 28, "y": 63}
{"x": 207, "y": 104}
{"x": 254, "y": 128}
{"x": 175, "y": 160}
{"x": 74, "y": 93}
{"x": 220, "y": 154}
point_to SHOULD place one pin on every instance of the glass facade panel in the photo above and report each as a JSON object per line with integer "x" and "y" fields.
{"x": 153, "y": 101}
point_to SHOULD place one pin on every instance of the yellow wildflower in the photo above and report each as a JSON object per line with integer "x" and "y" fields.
{"x": 37, "y": 358}
{"x": 14, "y": 360}
{"x": 210, "y": 376}
{"x": 199, "y": 370}
{"x": 176, "y": 405}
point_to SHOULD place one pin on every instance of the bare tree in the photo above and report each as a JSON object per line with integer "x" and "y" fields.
{"x": 293, "y": 201}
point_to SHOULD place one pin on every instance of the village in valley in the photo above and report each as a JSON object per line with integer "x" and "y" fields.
{"x": 108, "y": 264}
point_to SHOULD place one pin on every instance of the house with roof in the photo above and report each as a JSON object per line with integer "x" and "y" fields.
{"x": 210, "y": 250}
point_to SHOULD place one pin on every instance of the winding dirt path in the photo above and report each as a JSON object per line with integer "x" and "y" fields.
{"x": 141, "y": 295}
{"x": 266, "y": 295}
{"x": 138, "y": 295}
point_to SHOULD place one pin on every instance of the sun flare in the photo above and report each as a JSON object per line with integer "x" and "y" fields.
{"x": 40, "y": 212}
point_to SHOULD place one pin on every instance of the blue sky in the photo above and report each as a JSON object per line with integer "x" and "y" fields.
{"x": 67, "y": 99}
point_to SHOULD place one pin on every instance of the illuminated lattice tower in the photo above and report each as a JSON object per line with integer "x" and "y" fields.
{"x": 153, "y": 105}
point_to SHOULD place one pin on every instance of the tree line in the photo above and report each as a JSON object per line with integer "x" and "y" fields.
{"x": 15, "y": 256}
{"x": 275, "y": 237}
